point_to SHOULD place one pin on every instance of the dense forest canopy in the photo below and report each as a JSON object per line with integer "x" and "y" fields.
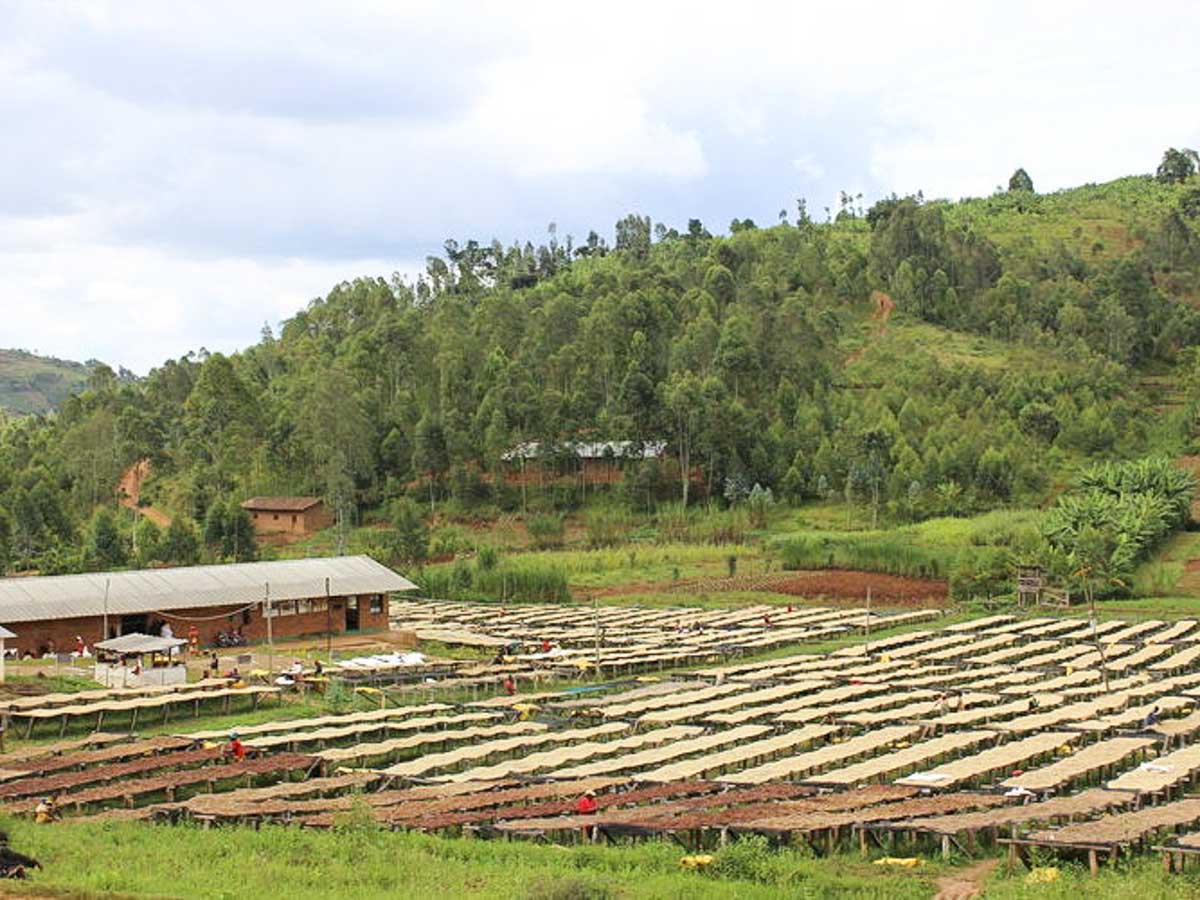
{"x": 753, "y": 354}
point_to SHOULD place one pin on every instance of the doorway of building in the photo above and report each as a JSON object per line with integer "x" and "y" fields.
{"x": 352, "y": 614}
{"x": 137, "y": 623}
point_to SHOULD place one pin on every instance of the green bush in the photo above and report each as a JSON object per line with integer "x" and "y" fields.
{"x": 874, "y": 553}
{"x": 546, "y": 531}
{"x": 569, "y": 887}
{"x": 1116, "y": 515}
{"x": 607, "y": 527}
{"x": 510, "y": 580}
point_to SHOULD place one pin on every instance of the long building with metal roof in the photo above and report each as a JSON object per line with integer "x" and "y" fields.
{"x": 301, "y": 596}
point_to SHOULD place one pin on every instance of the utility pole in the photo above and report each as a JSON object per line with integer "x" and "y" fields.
{"x": 596, "y": 626}
{"x": 107, "y": 582}
{"x": 867, "y": 622}
{"x": 328, "y": 621}
{"x": 270, "y": 634}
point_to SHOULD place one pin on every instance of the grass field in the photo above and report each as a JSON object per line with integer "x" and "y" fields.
{"x": 357, "y": 860}
{"x": 354, "y": 860}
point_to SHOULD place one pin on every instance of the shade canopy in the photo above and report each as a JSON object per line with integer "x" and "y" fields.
{"x": 136, "y": 642}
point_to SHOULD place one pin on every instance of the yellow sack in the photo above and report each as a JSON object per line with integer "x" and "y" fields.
{"x": 907, "y": 862}
{"x": 1042, "y": 876}
{"x": 699, "y": 861}
{"x": 1065, "y": 749}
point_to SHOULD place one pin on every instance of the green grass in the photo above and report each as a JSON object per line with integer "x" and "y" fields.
{"x": 134, "y": 859}
{"x": 904, "y": 338}
{"x": 1165, "y": 573}
{"x": 1140, "y": 878}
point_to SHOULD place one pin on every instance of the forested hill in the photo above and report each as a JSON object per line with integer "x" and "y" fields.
{"x": 1023, "y": 329}
{"x": 37, "y": 384}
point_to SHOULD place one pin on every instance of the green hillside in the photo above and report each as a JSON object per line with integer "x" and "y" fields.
{"x": 37, "y": 384}
{"x": 912, "y": 361}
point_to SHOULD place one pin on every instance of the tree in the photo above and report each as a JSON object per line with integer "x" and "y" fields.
{"x": 238, "y": 540}
{"x": 633, "y": 236}
{"x": 681, "y": 396}
{"x": 1189, "y": 203}
{"x": 147, "y": 542}
{"x": 1037, "y": 419}
{"x": 1020, "y": 181}
{"x": 874, "y": 466}
{"x": 1177, "y": 165}
{"x": 337, "y": 436}
{"x": 106, "y": 547}
{"x": 410, "y": 535}
{"x": 181, "y": 544}
{"x": 429, "y": 452}
{"x": 5, "y": 541}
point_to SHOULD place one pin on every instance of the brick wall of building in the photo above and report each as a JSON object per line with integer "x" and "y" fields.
{"x": 59, "y": 634}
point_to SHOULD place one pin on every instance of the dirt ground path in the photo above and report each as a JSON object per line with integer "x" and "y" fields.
{"x": 884, "y": 307}
{"x": 965, "y": 884}
{"x": 130, "y": 490}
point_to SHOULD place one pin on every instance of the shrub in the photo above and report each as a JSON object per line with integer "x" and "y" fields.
{"x": 606, "y": 528}
{"x": 1116, "y": 514}
{"x": 747, "y": 859}
{"x": 571, "y": 887}
{"x": 546, "y": 531}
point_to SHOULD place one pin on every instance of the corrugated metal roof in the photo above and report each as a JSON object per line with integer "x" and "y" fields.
{"x": 36, "y": 598}
{"x": 591, "y": 450}
{"x": 283, "y": 504}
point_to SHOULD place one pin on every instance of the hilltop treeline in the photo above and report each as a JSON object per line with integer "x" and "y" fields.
{"x": 754, "y": 355}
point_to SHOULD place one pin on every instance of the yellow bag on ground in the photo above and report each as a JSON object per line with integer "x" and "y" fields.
{"x": 1042, "y": 876}
{"x": 907, "y": 862}
{"x": 699, "y": 861}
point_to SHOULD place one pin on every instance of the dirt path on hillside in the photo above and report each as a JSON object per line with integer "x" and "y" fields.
{"x": 965, "y": 884}
{"x": 884, "y": 307}
{"x": 129, "y": 490}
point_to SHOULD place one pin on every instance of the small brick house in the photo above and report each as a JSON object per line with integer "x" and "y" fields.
{"x": 288, "y": 516}
{"x": 319, "y": 596}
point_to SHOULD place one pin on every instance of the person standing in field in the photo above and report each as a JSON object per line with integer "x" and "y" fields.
{"x": 586, "y": 805}
{"x": 236, "y": 748}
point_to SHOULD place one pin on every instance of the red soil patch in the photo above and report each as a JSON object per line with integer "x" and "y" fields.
{"x": 846, "y": 584}
{"x": 884, "y": 307}
{"x": 827, "y": 585}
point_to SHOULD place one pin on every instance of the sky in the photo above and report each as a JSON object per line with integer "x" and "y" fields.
{"x": 176, "y": 175}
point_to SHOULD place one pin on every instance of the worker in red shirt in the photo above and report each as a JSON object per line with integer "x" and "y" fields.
{"x": 586, "y": 805}
{"x": 510, "y": 686}
{"x": 236, "y": 748}
{"x": 546, "y": 646}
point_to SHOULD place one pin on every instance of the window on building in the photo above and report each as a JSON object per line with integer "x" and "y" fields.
{"x": 293, "y": 520}
{"x": 274, "y": 517}
{"x": 376, "y": 604}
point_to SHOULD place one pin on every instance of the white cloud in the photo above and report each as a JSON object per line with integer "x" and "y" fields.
{"x": 138, "y": 307}
{"x": 176, "y": 174}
